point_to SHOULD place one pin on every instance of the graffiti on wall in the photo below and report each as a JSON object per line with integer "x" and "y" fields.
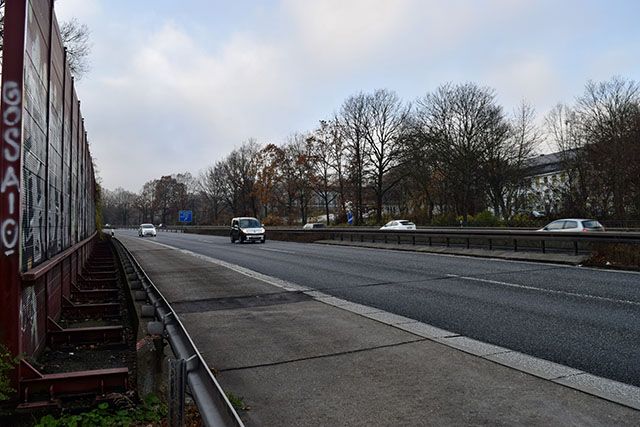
{"x": 10, "y": 185}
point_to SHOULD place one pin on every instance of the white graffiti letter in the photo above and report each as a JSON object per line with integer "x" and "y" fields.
{"x": 11, "y": 137}
{"x": 11, "y": 115}
{"x": 9, "y": 234}
{"x": 10, "y": 179}
{"x": 11, "y": 93}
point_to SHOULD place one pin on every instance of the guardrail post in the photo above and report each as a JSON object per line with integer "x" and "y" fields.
{"x": 544, "y": 249}
{"x": 385, "y": 238}
{"x": 429, "y": 240}
{"x": 490, "y": 244}
{"x": 515, "y": 245}
{"x": 177, "y": 382}
{"x": 362, "y": 238}
{"x": 468, "y": 243}
{"x": 351, "y": 237}
{"x": 447, "y": 242}
{"x": 341, "y": 237}
{"x": 575, "y": 246}
{"x": 413, "y": 239}
{"x": 398, "y": 239}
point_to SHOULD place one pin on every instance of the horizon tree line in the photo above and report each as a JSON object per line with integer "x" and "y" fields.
{"x": 452, "y": 153}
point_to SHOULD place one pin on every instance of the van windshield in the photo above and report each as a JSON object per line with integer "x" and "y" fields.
{"x": 249, "y": 223}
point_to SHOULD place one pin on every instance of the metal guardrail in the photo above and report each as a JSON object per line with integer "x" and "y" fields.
{"x": 491, "y": 239}
{"x": 213, "y": 405}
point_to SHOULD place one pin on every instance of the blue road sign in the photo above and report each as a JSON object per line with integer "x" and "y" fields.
{"x": 349, "y": 218}
{"x": 185, "y": 216}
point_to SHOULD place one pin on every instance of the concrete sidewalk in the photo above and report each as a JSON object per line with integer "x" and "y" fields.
{"x": 304, "y": 358}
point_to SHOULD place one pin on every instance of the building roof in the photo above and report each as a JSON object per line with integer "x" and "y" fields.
{"x": 548, "y": 163}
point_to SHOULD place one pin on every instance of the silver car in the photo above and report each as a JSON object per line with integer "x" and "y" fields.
{"x": 399, "y": 224}
{"x": 573, "y": 225}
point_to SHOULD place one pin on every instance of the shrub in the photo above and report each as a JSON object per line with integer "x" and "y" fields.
{"x": 445, "y": 220}
{"x": 7, "y": 364}
{"x": 521, "y": 220}
{"x": 619, "y": 255}
{"x": 484, "y": 219}
{"x": 272, "y": 220}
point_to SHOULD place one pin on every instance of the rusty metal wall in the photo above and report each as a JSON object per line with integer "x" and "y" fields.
{"x": 47, "y": 206}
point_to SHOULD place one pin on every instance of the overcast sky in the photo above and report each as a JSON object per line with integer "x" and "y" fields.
{"x": 176, "y": 85}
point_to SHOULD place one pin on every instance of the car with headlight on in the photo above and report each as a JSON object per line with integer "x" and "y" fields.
{"x": 573, "y": 225}
{"x": 246, "y": 229}
{"x": 147, "y": 230}
{"x": 399, "y": 224}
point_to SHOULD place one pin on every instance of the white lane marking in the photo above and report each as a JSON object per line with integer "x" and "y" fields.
{"x": 277, "y": 250}
{"x": 550, "y": 291}
{"x": 283, "y": 284}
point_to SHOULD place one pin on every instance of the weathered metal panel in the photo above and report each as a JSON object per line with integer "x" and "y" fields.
{"x": 33, "y": 316}
{"x": 66, "y": 167}
{"x": 54, "y": 160}
{"x": 54, "y": 292}
{"x": 36, "y": 88}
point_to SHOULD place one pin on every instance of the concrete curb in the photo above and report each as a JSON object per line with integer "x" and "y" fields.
{"x": 604, "y": 388}
{"x": 477, "y": 253}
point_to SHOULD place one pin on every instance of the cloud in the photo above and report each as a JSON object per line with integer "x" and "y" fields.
{"x": 339, "y": 32}
{"x": 83, "y": 10}
{"x": 526, "y": 77}
{"x": 184, "y": 104}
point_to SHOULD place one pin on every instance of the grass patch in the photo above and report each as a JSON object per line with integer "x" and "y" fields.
{"x": 151, "y": 411}
{"x": 237, "y": 402}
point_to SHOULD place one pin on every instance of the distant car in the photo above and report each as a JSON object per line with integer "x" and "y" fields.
{"x": 573, "y": 225}
{"x": 399, "y": 224}
{"x": 537, "y": 214}
{"x": 312, "y": 225}
{"x": 108, "y": 229}
{"x": 147, "y": 230}
{"x": 246, "y": 229}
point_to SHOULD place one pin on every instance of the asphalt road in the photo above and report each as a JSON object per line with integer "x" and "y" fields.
{"x": 583, "y": 318}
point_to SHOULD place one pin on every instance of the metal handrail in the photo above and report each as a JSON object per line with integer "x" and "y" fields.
{"x": 213, "y": 405}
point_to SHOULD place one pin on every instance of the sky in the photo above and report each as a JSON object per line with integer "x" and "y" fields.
{"x": 176, "y": 86}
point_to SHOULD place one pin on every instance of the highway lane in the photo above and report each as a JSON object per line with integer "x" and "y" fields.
{"x": 583, "y": 318}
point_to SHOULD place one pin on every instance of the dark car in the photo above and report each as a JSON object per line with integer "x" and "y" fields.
{"x": 246, "y": 229}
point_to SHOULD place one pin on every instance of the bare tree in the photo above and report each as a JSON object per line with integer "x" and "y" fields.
{"x": 462, "y": 123}
{"x": 322, "y": 143}
{"x": 352, "y": 118}
{"x": 269, "y": 177}
{"x": 212, "y": 185}
{"x": 565, "y": 137}
{"x": 505, "y": 159}
{"x": 384, "y": 127}
{"x": 240, "y": 170}
{"x": 608, "y": 113}
{"x": 76, "y": 39}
